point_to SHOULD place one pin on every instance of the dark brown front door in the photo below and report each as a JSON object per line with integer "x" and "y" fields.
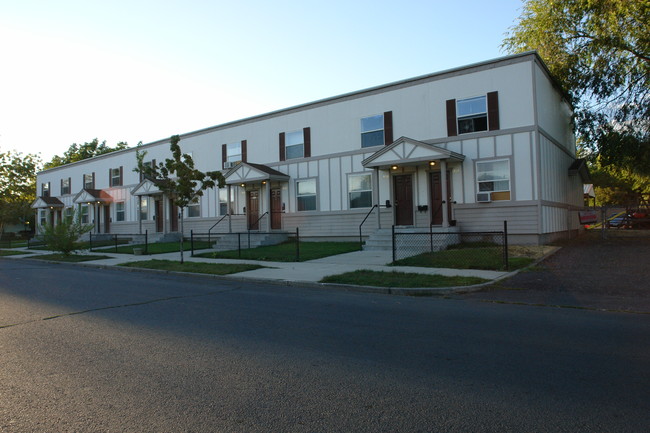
{"x": 403, "y": 191}
{"x": 159, "y": 216}
{"x": 276, "y": 208}
{"x": 437, "y": 197}
{"x": 107, "y": 219}
{"x": 253, "y": 209}
{"x": 173, "y": 216}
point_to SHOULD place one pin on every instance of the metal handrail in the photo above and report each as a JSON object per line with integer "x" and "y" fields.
{"x": 258, "y": 220}
{"x": 364, "y": 220}
{"x": 215, "y": 224}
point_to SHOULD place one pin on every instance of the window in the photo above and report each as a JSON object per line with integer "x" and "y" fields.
{"x": 147, "y": 166}
{"x": 116, "y": 176}
{"x": 67, "y": 213}
{"x": 306, "y": 194}
{"x": 85, "y": 213}
{"x": 493, "y": 177}
{"x": 119, "y": 211}
{"x": 194, "y": 208}
{"x": 65, "y": 186}
{"x": 45, "y": 189}
{"x": 89, "y": 181}
{"x": 372, "y": 131}
{"x": 41, "y": 217}
{"x": 360, "y": 190}
{"x": 472, "y": 115}
{"x": 223, "y": 200}
{"x": 233, "y": 152}
{"x": 294, "y": 145}
{"x": 144, "y": 208}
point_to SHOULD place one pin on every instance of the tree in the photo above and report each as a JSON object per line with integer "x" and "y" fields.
{"x": 77, "y": 152}
{"x": 17, "y": 186}
{"x": 599, "y": 51}
{"x": 64, "y": 236}
{"x": 178, "y": 179}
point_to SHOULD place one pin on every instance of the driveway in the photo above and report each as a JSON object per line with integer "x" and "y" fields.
{"x": 587, "y": 272}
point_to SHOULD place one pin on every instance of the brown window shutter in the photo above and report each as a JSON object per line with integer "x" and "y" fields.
{"x": 93, "y": 185}
{"x": 493, "y": 110}
{"x": 121, "y": 176}
{"x": 282, "y": 154}
{"x": 61, "y": 186}
{"x": 110, "y": 177}
{"x": 244, "y": 155}
{"x": 388, "y": 127}
{"x": 452, "y": 129}
{"x": 69, "y": 185}
{"x": 306, "y": 136}
{"x": 224, "y": 154}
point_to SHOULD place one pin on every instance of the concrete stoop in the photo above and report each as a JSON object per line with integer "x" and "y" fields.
{"x": 233, "y": 241}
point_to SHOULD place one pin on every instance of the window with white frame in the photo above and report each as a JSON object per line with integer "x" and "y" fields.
{"x": 68, "y": 213}
{"x": 65, "y": 186}
{"x": 472, "y": 115}
{"x": 294, "y": 144}
{"x": 493, "y": 177}
{"x": 144, "y": 208}
{"x": 194, "y": 208}
{"x": 116, "y": 176}
{"x": 223, "y": 200}
{"x": 84, "y": 212}
{"x": 306, "y": 194}
{"x": 89, "y": 181}
{"x": 45, "y": 189}
{"x": 119, "y": 211}
{"x": 360, "y": 190}
{"x": 233, "y": 152}
{"x": 372, "y": 131}
{"x": 42, "y": 217}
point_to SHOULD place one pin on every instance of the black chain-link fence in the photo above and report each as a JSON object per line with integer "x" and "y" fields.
{"x": 482, "y": 250}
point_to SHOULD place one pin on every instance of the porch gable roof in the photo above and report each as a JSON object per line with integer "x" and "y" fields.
{"x": 146, "y": 187}
{"x": 45, "y": 202}
{"x": 407, "y": 151}
{"x": 92, "y": 195}
{"x": 248, "y": 172}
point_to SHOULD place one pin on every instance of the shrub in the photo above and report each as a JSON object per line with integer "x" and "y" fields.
{"x": 63, "y": 237}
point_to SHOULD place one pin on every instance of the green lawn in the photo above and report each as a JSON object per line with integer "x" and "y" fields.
{"x": 286, "y": 252}
{"x": 156, "y": 248}
{"x": 72, "y": 258}
{"x": 199, "y": 268}
{"x": 13, "y": 253}
{"x": 13, "y": 244}
{"x": 400, "y": 279}
{"x": 465, "y": 258}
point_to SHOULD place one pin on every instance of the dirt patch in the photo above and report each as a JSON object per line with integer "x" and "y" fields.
{"x": 589, "y": 272}
{"x": 532, "y": 252}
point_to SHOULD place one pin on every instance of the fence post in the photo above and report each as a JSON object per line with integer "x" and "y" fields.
{"x": 191, "y": 243}
{"x": 90, "y": 242}
{"x": 431, "y": 236}
{"x": 505, "y": 243}
{"x": 249, "y": 239}
{"x": 239, "y": 244}
{"x": 297, "y": 244}
{"x": 146, "y": 241}
{"x": 393, "y": 239}
{"x": 115, "y": 238}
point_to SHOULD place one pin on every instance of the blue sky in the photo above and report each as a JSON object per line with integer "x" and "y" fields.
{"x": 142, "y": 70}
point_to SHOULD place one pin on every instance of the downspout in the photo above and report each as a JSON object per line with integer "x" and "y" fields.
{"x": 378, "y": 196}
{"x": 445, "y": 198}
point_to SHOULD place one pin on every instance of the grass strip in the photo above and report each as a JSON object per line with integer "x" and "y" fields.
{"x": 72, "y": 258}
{"x": 468, "y": 258}
{"x": 400, "y": 279}
{"x": 286, "y": 252}
{"x": 194, "y": 267}
{"x": 13, "y": 253}
{"x": 155, "y": 248}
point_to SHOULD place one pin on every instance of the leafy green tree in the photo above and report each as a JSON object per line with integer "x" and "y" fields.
{"x": 599, "y": 51}
{"x": 64, "y": 236}
{"x": 178, "y": 179}
{"x": 77, "y": 152}
{"x": 17, "y": 186}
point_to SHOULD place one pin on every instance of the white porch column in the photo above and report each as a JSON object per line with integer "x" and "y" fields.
{"x": 377, "y": 197}
{"x": 228, "y": 211}
{"x": 445, "y": 197}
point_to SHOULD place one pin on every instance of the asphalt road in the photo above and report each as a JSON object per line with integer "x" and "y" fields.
{"x": 91, "y": 350}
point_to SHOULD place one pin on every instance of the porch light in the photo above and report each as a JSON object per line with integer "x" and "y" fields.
{"x": 243, "y": 185}
{"x": 432, "y": 163}
{"x": 263, "y": 182}
{"x": 394, "y": 167}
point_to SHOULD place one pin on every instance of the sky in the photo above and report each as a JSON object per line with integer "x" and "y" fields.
{"x": 143, "y": 70}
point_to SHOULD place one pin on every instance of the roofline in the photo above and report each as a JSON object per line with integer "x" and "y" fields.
{"x": 460, "y": 70}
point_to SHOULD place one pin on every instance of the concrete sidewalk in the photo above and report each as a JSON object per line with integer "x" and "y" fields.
{"x": 310, "y": 272}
